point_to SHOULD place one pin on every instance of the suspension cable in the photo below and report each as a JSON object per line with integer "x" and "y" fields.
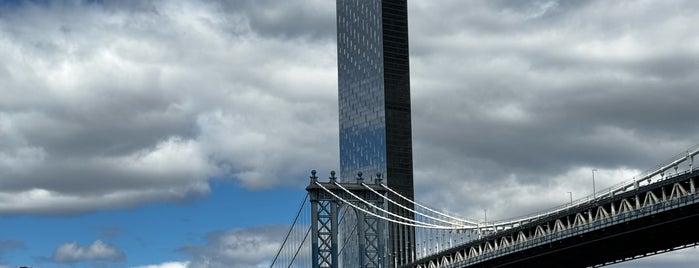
{"x": 385, "y": 218}
{"x": 381, "y": 209}
{"x": 343, "y": 212}
{"x": 346, "y": 239}
{"x": 299, "y": 248}
{"x": 612, "y": 191}
{"x": 296, "y": 218}
{"x": 425, "y": 207}
{"x": 371, "y": 213}
{"x": 409, "y": 209}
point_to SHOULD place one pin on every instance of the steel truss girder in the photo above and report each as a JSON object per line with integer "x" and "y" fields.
{"x": 672, "y": 193}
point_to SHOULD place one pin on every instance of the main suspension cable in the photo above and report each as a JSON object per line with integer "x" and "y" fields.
{"x": 425, "y": 207}
{"x": 385, "y": 218}
{"x": 381, "y": 209}
{"x": 412, "y": 210}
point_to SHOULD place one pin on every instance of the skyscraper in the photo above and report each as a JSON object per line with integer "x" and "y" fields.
{"x": 374, "y": 103}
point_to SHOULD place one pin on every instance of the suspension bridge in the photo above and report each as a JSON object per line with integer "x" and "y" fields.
{"x": 653, "y": 213}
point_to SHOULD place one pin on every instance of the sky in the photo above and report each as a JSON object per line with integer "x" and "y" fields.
{"x": 170, "y": 134}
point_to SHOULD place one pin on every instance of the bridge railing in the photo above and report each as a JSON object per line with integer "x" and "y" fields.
{"x": 641, "y": 179}
{"x": 679, "y": 186}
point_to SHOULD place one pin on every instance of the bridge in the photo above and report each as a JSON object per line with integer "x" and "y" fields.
{"x": 653, "y": 213}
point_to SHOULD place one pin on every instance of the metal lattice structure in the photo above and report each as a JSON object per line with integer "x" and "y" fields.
{"x": 330, "y": 202}
{"x": 324, "y": 218}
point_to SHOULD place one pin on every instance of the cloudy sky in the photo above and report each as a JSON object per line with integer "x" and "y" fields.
{"x": 169, "y": 134}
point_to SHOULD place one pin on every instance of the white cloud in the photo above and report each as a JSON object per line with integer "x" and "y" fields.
{"x": 515, "y": 102}
{"x": 116, "y": 105}
{"x": 166, "y": 265}
{"x": 681, "y": 258}
{"x": 249, "y": 247}
{"x": 126, "y": 103}
{"x": 98, "y": 251}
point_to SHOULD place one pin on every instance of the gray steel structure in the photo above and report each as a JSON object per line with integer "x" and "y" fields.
{"x": 327, "y": 212}
{"x": 374, "y": 105}
{"x": 653, "y": 213}
{"x": 639, "y": 222}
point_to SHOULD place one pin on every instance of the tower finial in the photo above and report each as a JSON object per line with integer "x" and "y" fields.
{"x": 333, "y": 179}
{"x": 314, "y": 178}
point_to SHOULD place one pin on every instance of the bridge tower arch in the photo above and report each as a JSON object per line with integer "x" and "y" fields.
{"x": 328, "y": 209}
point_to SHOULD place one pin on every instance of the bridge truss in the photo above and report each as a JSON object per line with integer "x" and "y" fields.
{"x": 659, "y": 198}
{"x": 664, "y": 199}
{"x": 637, "y": 223}
{"x": 333, "y": 203}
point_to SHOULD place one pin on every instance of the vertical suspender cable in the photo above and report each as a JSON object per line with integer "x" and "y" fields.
{"x": 298, "y": 213}
{"x": 299, "y": 248}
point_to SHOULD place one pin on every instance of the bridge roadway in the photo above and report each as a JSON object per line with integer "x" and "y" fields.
{"x": 647, "y": 220}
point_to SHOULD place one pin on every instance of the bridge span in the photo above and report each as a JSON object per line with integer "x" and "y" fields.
{"x": 655, "y": 212}
{"x": 614, "y": 227}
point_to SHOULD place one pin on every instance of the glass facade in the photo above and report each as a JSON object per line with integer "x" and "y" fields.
{"x": 374, "y": 107}
{"x": 361, "y": 83}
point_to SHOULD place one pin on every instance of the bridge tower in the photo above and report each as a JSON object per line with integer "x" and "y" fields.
{"x": 327, "y": 211}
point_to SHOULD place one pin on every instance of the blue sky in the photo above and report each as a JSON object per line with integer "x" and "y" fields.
{"x": 170, "y": 134}
{"x": 153, "y": 233}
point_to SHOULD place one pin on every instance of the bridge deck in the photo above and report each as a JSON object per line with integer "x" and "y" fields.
{"x": 652, "y": 218}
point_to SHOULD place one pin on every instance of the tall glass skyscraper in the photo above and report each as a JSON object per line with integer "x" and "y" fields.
{"x": 374, "y": 103}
